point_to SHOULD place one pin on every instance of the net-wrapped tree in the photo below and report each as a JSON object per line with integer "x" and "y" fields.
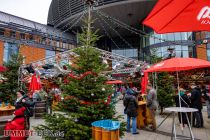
{"x": 86, "y": 96}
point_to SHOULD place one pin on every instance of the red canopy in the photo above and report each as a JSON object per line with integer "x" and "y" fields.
{"x": 35, "y": 83}
{"x": 2, "y": 68}
{"x": 178, "y": 64}
{"x": 115, "y": 82}
{"x": 174, "y": 64}
{"x": 179, "y": 16}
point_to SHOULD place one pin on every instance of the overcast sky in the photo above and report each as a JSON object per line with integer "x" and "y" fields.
{"x": 35, "y": 10}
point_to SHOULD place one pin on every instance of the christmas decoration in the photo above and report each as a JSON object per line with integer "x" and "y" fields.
{"x": 82, "y": 75}
{"x": 79, "y": 105}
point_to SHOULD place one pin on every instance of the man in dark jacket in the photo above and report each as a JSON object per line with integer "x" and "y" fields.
{"x": 131, "y": 105}
{"x": 197, "y": 104}
{"x": 205, "y": 94}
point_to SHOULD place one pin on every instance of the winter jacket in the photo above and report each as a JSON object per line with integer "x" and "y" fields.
{"x": 152, "y": 99}
{"x": 131, "y": 105}
{"x": 18, "y": 123}
{"x": 205, "y": 94}
{"x": 196, "y": 98}
{"x": 185, "y": 101}
{"x": 28, "y": 104}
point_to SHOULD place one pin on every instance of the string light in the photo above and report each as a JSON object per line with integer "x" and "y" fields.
{"x": 115, "y": 31}
{"x": 108, "y": 34}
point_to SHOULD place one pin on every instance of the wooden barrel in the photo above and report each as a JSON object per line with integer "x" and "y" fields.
{"x": 40, "y": 109}
{"x": 3, "y": 121}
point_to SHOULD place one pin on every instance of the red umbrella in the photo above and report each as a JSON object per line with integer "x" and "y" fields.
{"x": 144, "y": 82}
{"x": 35, "y": 83}
{"x": 178, "y": 64}
{"x": 179, "y": 16}
{"x": 2, "y": 68}
{"x": 115, "y": 82}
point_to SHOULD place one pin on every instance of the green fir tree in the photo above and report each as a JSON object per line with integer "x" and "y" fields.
{"x": 10, "y": 86}
{"x": 86, "y": 99}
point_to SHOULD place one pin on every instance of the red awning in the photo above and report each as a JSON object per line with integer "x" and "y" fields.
{"x": 178, "y": 64}
{"x": 179, "y": 16}
{"x": 174, "y": 64}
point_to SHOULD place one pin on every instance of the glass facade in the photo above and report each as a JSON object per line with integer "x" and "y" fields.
{"x": 9, "y": 49}
{"x": 181, "y": 44}
{"x": 132, "y": 53}
{"x": 49, "y": 53}
{"x": 208, "y": 52}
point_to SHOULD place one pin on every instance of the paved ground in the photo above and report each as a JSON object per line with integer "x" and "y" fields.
{"x": 163, "y": 132}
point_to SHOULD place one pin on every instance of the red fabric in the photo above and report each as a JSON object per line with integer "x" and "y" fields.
{"x": 2, "y": 68}
{"x": 20, "y": 111}
{"x": 16, "y": 124}
{"x": 178, "y": 64}
{"x": 179, "y": 16}
{"x": 115, "y": 82}
{"x": 35, "y": 83}
{"x": 144, "y": 82}
{"x": 82, "y": 75}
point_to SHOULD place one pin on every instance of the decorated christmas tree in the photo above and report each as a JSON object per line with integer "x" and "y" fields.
{"x": 10, "y": 85}
{"x": 86, "y": 97}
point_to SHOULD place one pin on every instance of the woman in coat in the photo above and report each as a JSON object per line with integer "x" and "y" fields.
{"x": 18, "y": 123}
{"x": 131, "y": 105}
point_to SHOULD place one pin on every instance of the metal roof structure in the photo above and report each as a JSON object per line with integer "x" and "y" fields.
{"x": 67, "y": 56}
{"x": 14, "y": 23}
{"x": 61, "y": 12}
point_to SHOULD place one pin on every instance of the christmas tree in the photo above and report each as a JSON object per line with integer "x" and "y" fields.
{"x": 86, "y": 96}
{"x": 9, "y": 87}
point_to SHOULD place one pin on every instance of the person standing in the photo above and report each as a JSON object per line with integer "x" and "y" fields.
{"x": 131, "y": 105}
{"x": 185, "y": 102}
{"x": 152, "y": 104}
{"x": 207, "y": 99}
{"x": 24, "y": 101}
{"x": 197, "y": 104}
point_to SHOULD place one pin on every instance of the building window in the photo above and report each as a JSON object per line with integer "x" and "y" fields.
{"x": 9, "y": 50}
{"x": 132, "y": 53}
{"x": 49, "y": 53}
{"x": 208, "y": 52}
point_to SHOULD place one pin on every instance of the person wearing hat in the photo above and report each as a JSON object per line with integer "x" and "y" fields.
{"x": 131, "y": 105}
{"x": 152, "y": 104}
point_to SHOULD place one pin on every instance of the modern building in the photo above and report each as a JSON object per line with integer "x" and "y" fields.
{"x": 119, "y": 22}
{"x": 33, "y": 40}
